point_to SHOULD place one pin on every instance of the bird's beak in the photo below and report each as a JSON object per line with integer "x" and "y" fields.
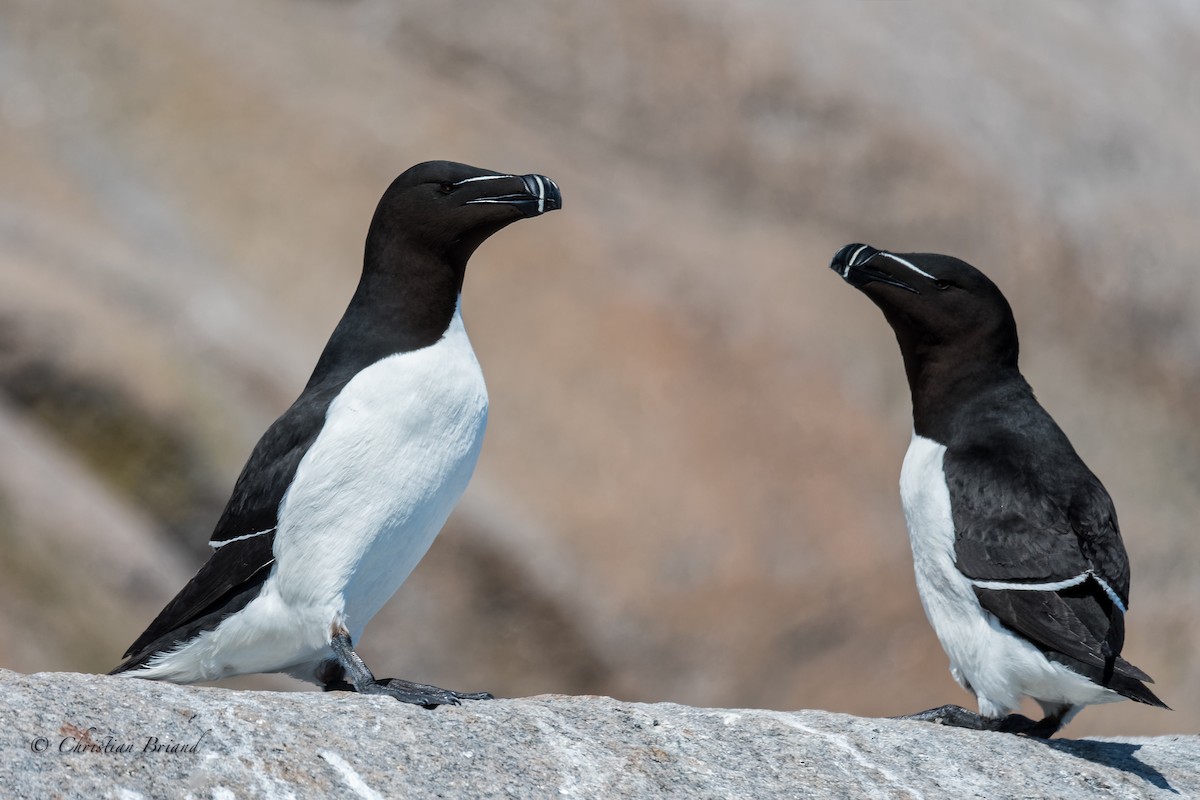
{"x": 539, "y": 195}
{"x": 851, "y": 262}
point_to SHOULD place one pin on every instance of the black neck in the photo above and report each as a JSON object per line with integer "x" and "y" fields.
{"x": 404, "y": 301}
{"x": 941, "y": 387}
{"x": 943, "y": 375}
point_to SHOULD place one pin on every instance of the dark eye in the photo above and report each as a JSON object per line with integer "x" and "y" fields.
{"x": 446, "y": 187}
{"x": 941, "y": 286}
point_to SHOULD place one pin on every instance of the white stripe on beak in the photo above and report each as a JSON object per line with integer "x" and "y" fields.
{"x": 850, "y": 261}
{"x": 541, "y": 193}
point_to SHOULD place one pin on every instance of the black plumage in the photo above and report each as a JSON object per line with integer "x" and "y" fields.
{"x": 1035, "y": 533}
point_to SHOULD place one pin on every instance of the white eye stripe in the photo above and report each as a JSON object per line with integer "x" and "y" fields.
{"x": 482, "y": 178}
{"x": 1052, "y": 587}
{"x": 911, "y": 266}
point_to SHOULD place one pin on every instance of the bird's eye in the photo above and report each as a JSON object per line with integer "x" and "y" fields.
{"x": 941, "y": 285}
{"x": 446, "y": 187}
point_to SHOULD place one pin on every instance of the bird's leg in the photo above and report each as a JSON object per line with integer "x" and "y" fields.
{"x": 357, "y": 677}
{"x": 959, "y": 717}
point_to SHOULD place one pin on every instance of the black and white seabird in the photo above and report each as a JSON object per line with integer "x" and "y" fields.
{"x": 345, "y": 492}
{"x": 1018, "y": 557}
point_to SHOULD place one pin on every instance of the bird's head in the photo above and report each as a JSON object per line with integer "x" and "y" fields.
{"x": 450, "y": 208}
{"x": 937, "y": 305}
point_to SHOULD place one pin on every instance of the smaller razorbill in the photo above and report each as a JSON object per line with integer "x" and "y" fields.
{"x": 345, "y": 492}
{"x": 1018, "y": 557}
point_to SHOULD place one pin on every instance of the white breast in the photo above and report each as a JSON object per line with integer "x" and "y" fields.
{"x": 985, "y": 658}
{"x": 399, "y": 445}
{"x": 397, "y": 449}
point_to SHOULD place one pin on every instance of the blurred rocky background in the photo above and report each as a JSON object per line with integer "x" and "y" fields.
{"x": 689, "y": 487}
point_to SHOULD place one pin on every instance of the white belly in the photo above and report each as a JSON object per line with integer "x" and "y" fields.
{"x": 399, "y": 446}
{"x": 396, "y": 453}
{"x": 985, "y": 658}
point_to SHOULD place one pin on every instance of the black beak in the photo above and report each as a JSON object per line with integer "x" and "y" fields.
{"x": 851, "y": 263}
{"x": 540, "y": 195}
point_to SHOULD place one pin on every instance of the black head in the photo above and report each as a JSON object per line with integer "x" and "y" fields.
{"x": 446, "y": 210}
{"x": 425, "y": 228}
{"x": 942, "y": 309}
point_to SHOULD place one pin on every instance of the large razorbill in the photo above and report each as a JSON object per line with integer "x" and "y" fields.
{"x": 345, "y": 492}
{"x": 1018, "y": 557}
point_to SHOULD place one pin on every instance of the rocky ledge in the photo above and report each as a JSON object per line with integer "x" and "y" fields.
{"x": 70, "y": 735}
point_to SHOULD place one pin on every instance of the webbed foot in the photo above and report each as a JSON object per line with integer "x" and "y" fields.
{"x": 350, "y": 674}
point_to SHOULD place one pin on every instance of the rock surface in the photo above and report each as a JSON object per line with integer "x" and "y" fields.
{"x": 72, "y": 735}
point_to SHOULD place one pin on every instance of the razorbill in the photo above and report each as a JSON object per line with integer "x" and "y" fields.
{"x": 1018, "y": 557}
{"x": 345, "y": 492}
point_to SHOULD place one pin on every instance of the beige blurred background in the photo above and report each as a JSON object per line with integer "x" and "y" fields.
{"x": 688, "y": 490}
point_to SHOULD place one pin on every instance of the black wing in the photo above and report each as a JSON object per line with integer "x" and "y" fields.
{"x": 244, "y": 535}
{"x": 1028, "y": 512}
{"x": 1042, "y": 522}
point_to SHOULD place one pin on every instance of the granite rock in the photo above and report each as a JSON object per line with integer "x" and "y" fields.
{"x": 73, "y": 735}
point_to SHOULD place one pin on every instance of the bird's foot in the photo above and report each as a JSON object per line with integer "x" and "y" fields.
{"x": 1017, "y": 723}
{"x": 954, "y": 716}
{"x": 418, "y": 694}
{"x": 346, "y": 672}
{"x": 959, "y": 717}
{"x": 1024, "y": 726}
{"x": 421, "y": 694}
